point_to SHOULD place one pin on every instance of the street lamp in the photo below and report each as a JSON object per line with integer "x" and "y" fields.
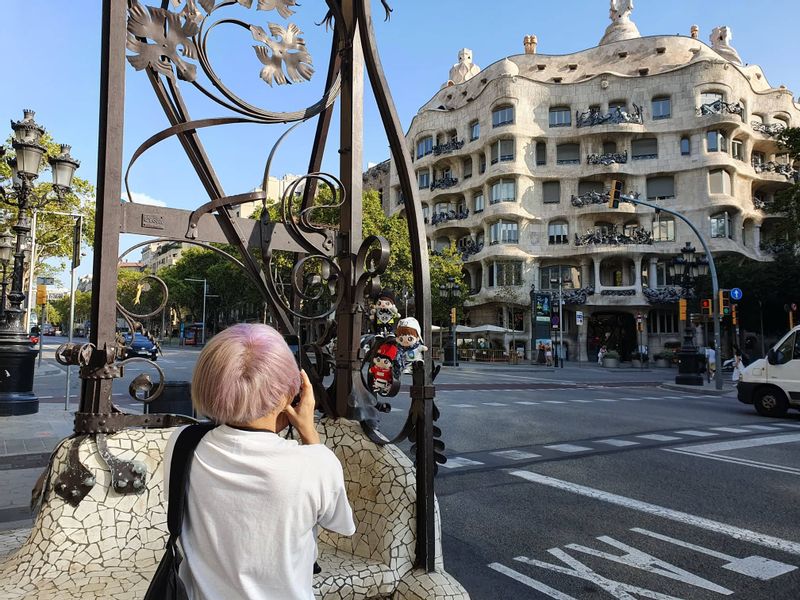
{"x": 450, "y": 292}
{"x": 16, "y": 354}
{"x": 560, "y": 282}
{"x": 685, "y": 269}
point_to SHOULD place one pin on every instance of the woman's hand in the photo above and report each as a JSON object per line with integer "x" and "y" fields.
{"x": 302, "y": 415}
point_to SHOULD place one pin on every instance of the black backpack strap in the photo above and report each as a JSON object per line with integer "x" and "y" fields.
{"x": 182, "y": 454}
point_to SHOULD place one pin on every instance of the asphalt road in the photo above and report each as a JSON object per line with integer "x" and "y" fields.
{"x": 588, "y": 483}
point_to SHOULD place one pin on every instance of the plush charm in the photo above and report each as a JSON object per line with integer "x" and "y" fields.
{"x": 384, "y": 370}
{"x": 384, "y": 314}
{"x": 409, "y": 337}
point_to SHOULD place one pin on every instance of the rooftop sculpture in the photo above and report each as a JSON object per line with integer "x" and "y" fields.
{"x": 721, "y": 42}
{"x": 464, "y": 69}
{"x": 621, "y": 28}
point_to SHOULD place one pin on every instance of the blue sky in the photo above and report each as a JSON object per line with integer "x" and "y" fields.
{"x": 418, "y": 45}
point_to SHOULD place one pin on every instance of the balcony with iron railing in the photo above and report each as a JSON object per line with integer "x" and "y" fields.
{"x": 448, "y": 147}
{"x": 608, "y": 158}
{"x": 443, "y": 183}
{"x": 617, "y": 115}
{"x": 614, "y": 237}
{"x": 770, "y": 130}
{"x": 720, "y": 107}
{"x": 784, "y": 169}
{"x": 448, "y": 216}
{"x": 596, "y": 198}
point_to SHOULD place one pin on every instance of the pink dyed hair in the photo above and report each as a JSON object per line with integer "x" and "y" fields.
{"x": 245, "y": 372}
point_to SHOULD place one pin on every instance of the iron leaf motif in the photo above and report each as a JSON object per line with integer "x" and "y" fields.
{"x": 282, "y": 6}
{"x": 171, "y": 41}
{"x": 285, "y": 47}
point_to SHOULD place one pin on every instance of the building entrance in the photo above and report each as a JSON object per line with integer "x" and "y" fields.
{"x": 614, "y": 330}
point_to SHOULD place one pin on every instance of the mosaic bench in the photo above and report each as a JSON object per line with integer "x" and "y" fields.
{"x": 109, "y": 546}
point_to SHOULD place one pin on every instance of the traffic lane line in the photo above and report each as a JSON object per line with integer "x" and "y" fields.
{"x": 738, "y": 533}
{"x": 714, "y": 450}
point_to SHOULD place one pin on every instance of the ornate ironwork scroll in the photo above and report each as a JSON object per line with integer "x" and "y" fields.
{"x": 616, "y": 116}
{"x": 720, "y": 107}
{"x": 609, "y": 158}
{"x": 772, "y": 129}
{"x": 333, "y": 270}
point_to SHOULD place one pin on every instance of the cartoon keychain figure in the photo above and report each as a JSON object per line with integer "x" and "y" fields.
{"x": 384, "y": 314}
{"x": 384, "y": 370}
{"x": 409, "y": 337}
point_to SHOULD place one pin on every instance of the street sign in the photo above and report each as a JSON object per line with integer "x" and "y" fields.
{"x": 554, "y": 320}
{"x": 579, "y": 317}
{"x": 736, "y": 294}
{"x": 45, "y": 281}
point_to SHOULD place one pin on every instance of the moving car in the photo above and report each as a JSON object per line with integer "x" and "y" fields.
{"x": 140, "y": 346}
{"x": 34, "y": 335}
{"x": 772, "y": 384}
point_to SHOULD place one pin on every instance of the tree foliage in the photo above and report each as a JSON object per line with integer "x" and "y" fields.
{"x": 54, "y": 233}
{"x": 787, "y": 201}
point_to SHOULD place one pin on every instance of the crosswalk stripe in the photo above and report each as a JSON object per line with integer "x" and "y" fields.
{"x": 583, "y": 401}
{"x": 694, "y": 433}
{"x": 526, "y": 403}
{"x": 656, "y": 437}
{"x": 493, "y": 404}
{"x": 762, "y": 427}
{"x": 618, "y": 443}
{"x": 730, "y": 429}
{"x": 515, "y": 454}
{"x": 463, "y": 405}
{"x": 608, "y": 399}
{"x": 554, "y": 401}
{"x": 568, "y": 448}
{"x": 457, "y": 462}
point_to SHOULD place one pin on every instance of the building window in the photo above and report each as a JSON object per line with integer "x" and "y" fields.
{"x": 603, "y": 227}
{"x": 569, "y": 276}
{"x": 424, "y": 179}
{"x": 587, "y": 187}
{"x": 609, "y": 147}
{"x": 502, "y": 150}
{"x": 479, "y": 203}
{"x": 425, "y": 146}
{"x": 661, "y": 187}
{"x": 721, "y": 225}
{"x": 482, "y": 164}
{"x": 504, "y": 190}
{"x": 663, "y": 229}
{"x": 711, "y": 97}
{"x": 644, "y": 149}
{"x": 474, "y": 131}
{"x": 504, "y": 232}
{"x": 426, "y": 212}
{"x": 504, "y": 115}
{"x": 541, "y": 154}
{"x": 757, "y": 158}
{"x": 466, "y": 168}
{"x": 551, "y": 192}
{"x": 558, "y": 232}
{"x": 686, "y": 146}
{"x": 662, "y": 321}
{"x": 617, "y": 105}
{"x": 560, "y": 116}
{"x": 662, "y": 107}
{"x": 568, "y": 154}
{"x": 719, "y": 182}
{"x": 737, "y": 149}
{"x": 441, "y": 244}
{"x": 716, "y": 141}
{"x": 505, "y": 273}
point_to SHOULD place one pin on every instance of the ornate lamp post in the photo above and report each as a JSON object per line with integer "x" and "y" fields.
{"x": 685, "y": 269}
{"x": 16, "y": 390}
{"x": 6, "y": 248}
{"x": 450, "y": 291}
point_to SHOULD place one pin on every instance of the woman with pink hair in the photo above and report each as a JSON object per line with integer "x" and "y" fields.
{"x": 254, "y": 499}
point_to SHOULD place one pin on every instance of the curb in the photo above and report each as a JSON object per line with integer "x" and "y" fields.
{"x": 696, "y": 388}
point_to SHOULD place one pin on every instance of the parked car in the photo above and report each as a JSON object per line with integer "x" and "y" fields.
{"x": 48, "y": 329}
{"x": 140, "y": 346}
{"x": 772, "y": 384}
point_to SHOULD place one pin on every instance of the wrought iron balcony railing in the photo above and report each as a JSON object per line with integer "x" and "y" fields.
{"x": 635, "y": 235}
{"x": 448, "y": 147}
{"x": 450, "y": 215}
{"x": 775, "y": 246}
{"x": 720, "y": 107}
{"x": 608, "y": 158}
{"x": 443, "y": 183}
{"x": 470, "y": 248}
{"x": 772, "y": 130}
{"x": 590, "y": 198}
{"x": 615, "y": 116}
{"x": 774, "y": 167}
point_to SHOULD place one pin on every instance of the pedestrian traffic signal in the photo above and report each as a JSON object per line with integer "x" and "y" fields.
{"x": 706, "y": 307}
{"x": 725, "y": 303}
{"x": 614, "y": 193}
{"x": 734, "y": 315}
{"x": 682, "y": 309}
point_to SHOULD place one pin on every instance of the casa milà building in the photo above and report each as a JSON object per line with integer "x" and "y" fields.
{"x": 514, "y": 161}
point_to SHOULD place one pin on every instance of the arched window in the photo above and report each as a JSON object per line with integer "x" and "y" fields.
{"x": 686, "y": 146}
{"x": 558, "y": 232}
{"x": 503, "y": 115}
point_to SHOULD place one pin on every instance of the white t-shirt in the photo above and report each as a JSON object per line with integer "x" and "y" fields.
{"x": 253, "y": 502}
{"x": 711, "y": 356}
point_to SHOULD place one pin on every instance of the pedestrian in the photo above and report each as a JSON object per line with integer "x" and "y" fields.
{"x": 540, "y": 358}
{"x": 600, "y": 354}
{"x": 548, "y": 355}
{"x": 254, "y": 499}
{"x": 738, "y": 365}
{"x": 711, "y": 361}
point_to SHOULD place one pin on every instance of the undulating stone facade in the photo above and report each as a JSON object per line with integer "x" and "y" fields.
{"x": 109, "y": 545}
{"x": 514, "y": 163}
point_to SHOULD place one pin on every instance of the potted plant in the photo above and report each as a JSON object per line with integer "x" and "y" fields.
{"x": 664, "y": 359}
{"x": 611, "y": 359}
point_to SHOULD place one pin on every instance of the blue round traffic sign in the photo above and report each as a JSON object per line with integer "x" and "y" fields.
{"x": 736, "y": 294}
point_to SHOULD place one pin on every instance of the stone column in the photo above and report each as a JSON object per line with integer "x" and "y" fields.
{"x": 637, "y": 280}
{"x": 585, "y": 273}
{"x": 757, "y": 238}
{"x": 598, "y": 287}
{"x": 652, "y": 273}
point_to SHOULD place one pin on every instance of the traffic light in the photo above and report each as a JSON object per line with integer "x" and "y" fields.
{"x": 706, "y": 307}
{"x": 734, "y": 315}
{"x": 682, "y": 309}
{"x": 725, "y": 303}
{"x": 453, "y": 315}
{"x": 614, "y": 193}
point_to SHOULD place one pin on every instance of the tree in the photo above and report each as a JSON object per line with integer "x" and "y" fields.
{"x": 83, "y": 307}
{"x": 54, "y": 233}
{"x": 787, "y": 202}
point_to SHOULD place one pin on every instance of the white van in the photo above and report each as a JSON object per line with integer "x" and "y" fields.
{"x": 773, "y": 384}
